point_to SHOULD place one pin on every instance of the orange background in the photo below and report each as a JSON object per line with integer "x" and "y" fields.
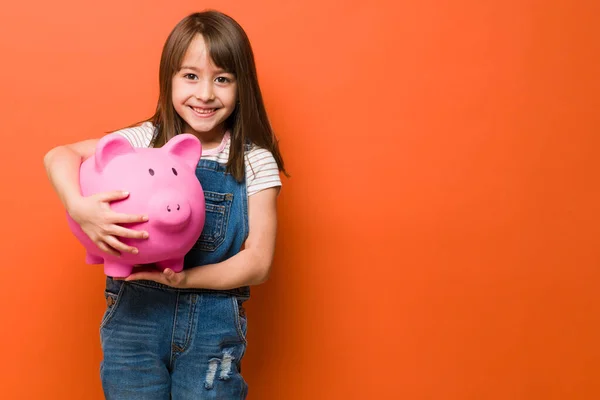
{"x": 438, "y": 238}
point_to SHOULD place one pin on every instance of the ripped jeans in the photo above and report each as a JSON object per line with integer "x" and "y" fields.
{"x": 161, "y": 343}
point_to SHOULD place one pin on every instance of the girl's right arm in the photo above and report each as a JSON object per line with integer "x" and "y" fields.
{"x": 92, "y": 213}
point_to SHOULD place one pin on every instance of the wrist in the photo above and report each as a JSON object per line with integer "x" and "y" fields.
{"x": 185, "y": 280}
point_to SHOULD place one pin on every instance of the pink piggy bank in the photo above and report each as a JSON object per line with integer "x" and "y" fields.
{"x": 162, "y": 184}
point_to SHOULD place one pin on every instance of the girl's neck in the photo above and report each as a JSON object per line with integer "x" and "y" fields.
{"x": 210, "y": 139}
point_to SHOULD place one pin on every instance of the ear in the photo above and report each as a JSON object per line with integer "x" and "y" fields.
{"x": 109, "y": 147}
{"x": 186, "y": 147}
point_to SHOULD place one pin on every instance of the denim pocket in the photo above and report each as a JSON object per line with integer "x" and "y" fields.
{"x": 218, "y": 207}
{"x": 112, "y": 301}
{"x": 241, "y": 322}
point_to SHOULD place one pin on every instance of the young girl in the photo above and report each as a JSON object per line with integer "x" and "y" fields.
{"x": 182, "y": 335}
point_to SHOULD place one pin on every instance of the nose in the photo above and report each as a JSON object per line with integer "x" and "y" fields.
{"x": 169, "y": 211}
{"x": 205, "y": 91}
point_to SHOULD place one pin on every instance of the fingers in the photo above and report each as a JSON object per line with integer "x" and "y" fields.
{"x": 105, "y": 248}
{"x": 103, "y": 225}
{"x": 175, "y": 279}
{"x": 107, "y": 239}
{"x": 128, "y": 233}
{"x": 118, "y": 218}
{"x": 146, "y": 276}
{"x": 119, "y": 246}
{"x": 113, "y": 196}
{"x": 167, "y": 277}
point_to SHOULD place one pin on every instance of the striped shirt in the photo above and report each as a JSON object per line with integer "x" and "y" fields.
{"x": 261, "y": 168}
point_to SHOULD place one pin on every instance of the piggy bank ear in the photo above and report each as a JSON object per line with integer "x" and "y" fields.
{"x": 109, "y": 147}
{"x": 186, "y": 147}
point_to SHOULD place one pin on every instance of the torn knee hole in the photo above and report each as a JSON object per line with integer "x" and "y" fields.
{"x": 225, "y": 364}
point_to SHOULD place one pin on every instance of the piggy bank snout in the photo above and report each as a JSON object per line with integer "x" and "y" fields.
{"x": 170, "y": 211}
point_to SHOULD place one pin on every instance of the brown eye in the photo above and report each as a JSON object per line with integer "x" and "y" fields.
{"x": 174, "y": 171}
{"x": 151, "y": 171}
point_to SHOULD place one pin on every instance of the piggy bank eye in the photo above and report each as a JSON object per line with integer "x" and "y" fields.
{"x": 174, "y": 171}
{"x": 151, "y": 171}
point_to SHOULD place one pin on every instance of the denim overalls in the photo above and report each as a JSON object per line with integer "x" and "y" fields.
{"x": 160, "y": 341}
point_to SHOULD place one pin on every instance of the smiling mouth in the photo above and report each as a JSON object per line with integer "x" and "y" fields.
{"x": 203, "y": 111}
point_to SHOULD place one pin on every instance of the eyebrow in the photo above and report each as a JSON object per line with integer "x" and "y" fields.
{"x": 191, "y": 67}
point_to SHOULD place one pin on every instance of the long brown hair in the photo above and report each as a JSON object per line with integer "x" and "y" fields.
{"x": 229, "y": 49}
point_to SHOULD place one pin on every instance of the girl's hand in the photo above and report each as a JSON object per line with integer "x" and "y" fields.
{"x": 167, "y": 277}
{"x": 99, "y": 222}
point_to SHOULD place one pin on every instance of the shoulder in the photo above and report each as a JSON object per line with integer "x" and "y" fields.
{"x": 262, "y": 171}
{"x": 139, "y": 136}
{"x": 261, "y": 168}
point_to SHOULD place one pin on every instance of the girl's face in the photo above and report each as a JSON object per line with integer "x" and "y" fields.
{"x": 203, "y": 95}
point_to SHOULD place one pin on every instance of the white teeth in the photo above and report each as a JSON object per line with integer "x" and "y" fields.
{"x": 203, "y": 110}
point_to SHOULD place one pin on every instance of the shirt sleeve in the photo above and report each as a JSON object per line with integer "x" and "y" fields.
{"x": 138, "y": 136}
{"x": 261, "y": 171}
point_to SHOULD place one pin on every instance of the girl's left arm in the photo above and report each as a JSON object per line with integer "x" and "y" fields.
{"x": 250, "y": 266}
